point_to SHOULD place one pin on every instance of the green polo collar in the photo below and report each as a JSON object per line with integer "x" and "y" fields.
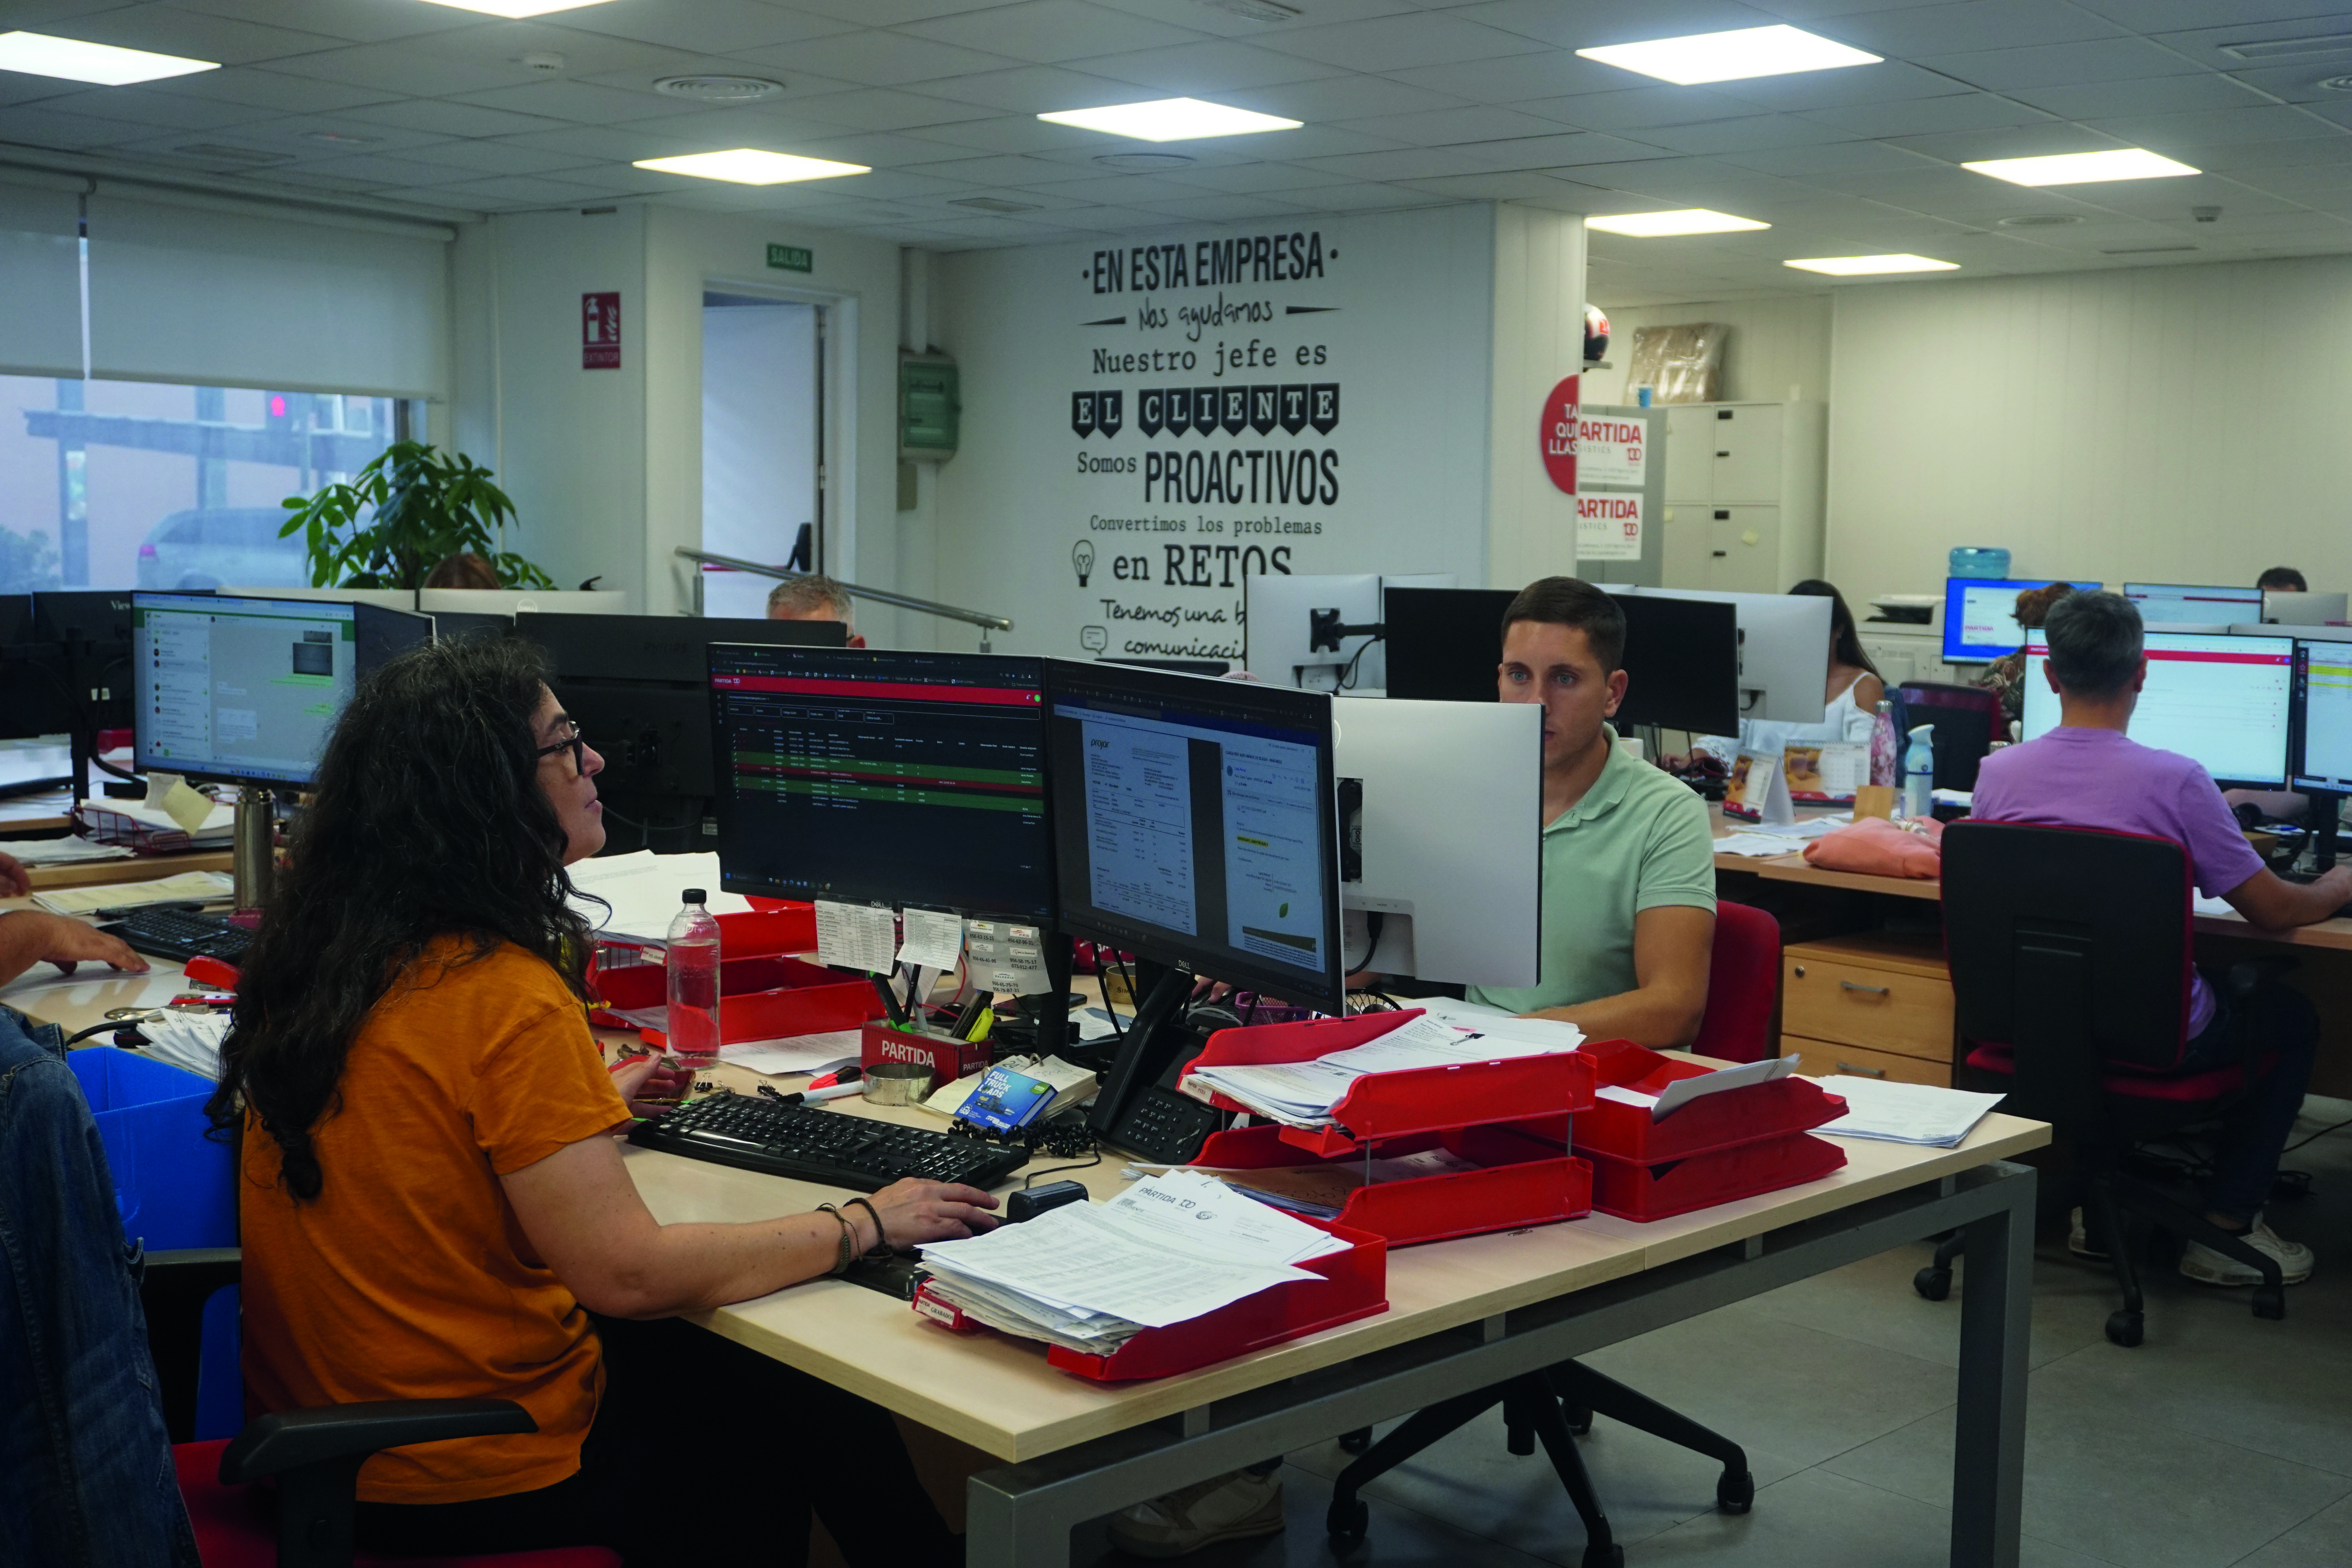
{"x": 1616, "y": 777}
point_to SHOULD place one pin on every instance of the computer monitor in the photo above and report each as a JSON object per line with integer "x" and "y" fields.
{"x": 1441, "y": 873}
{"x": 1194, "y": 825}
{"x": 2191, "y": 605}
{"x": 2302, "y": 609}
{"x": 1180, "y": 666}
{"x": 1280, "y": 624}
{"x": 1681, "y": 659}
{"x": 37, "y": 690}
{"x": 1784, "y": 650}
{"x": 873, "y": 777}
{"x": 2323, "y": 708}
{"x": 1980, "y": 616}
{"x": 2225, "y": 702}
{"x": 449, "y": 625}
{"x": 239, "y": 690}
{"x": 523, "y": 601}
{"x": 382, "y": 599}
{"x": 638, "y": 685}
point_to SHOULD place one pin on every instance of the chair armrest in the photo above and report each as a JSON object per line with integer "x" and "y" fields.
{"x": 173, "y": 1287}
{"x": 296, "y": 1440}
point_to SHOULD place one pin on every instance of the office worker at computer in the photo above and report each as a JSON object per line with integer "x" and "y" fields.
{"x": 2087, "y": 773}
{"x": 2282, "y": 579}
{"x": 815, "y": 598}
{"x": 1629, "y": 864}
{"x": 431, "y": 1200}
{"x": 2005, "y": 676}
{"x": 1850, "y": 696}
{"x": 29, "y": 937}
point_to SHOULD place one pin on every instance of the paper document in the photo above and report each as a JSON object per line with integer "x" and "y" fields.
{"x": 855, "y": 936}
{"x": 798, "y": 1053}
{"x": 214, "y": 825}
{"x": 1759, "y": 845}
{"x": 206, "y": 887}
{"x": 1303, "y": 1093}
{"x": 1906, "y": 1112}
{"x": 1683, "y": 1090}
{"x": 60, "y": 851}
{"x": 177, "y": 799}
{"x": 1552, "y": 1034}
{"x": 2199, "y": 903}
{"x": 646, "y": 892}
{"x": 934, "y": 938}
{"x": 1198, "y": 1213}
{"x": 190, "y": 1040}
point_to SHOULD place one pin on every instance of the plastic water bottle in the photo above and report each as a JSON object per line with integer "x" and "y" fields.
{"x": 693, "y": 964}
{"x": 1885, "y": 748}
{"x": 1919, "y": 773}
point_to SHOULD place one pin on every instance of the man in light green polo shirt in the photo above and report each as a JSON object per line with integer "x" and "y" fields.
{"x": 1628, "y": 860}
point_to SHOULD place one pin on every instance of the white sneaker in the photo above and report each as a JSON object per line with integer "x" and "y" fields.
{"x": 1223, "y": 1508}
{"x": 2078, "y": 1241}
{"x": 2207, "y": 1266}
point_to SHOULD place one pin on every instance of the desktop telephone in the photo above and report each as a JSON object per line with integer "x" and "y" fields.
{"x": 1139, "y": 1109}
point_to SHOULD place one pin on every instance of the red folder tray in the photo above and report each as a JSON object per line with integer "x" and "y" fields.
{"x": 1639, "y": 1191}
{"x": 1716, "y": 1121}
{"x": 762, "y": 998}
{"x": 1353, "y": 1284}
{"x": 1523, "y": 1181}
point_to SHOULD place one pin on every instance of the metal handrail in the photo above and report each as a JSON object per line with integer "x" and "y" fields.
{"x": 979, "y": 618}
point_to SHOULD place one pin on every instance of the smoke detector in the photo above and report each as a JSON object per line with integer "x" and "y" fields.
{"x": 719, "y": 91}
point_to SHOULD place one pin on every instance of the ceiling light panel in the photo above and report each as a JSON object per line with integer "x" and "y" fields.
{"x": 2083, "y": 168}
{"x": 1735, "y": 56}
{"x": 1169, "y": 119}
{"x": 751, "y": 166}
{"x": 1660, "y": 225}
{"x": 1864, "y": 266}
{"x": 515, "y": 9}
{"x": 38, "y": 53}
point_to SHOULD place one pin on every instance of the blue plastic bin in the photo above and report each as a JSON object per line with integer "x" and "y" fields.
{"x": 174, "y": 1187}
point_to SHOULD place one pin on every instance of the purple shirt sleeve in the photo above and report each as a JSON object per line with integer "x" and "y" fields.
{"x": 2218, "y": 850}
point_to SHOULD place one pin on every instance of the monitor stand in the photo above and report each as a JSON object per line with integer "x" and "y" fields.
{"x": 253, "y": 858}
{"x": 2326, "y": 810}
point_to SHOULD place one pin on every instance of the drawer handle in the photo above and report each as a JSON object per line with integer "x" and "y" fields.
{"x": 1869, "y": 990}
{"x": 1862, "y": 1072}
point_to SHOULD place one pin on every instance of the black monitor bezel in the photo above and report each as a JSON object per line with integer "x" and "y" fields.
{"x": 2299, "y": 780}
{"x": 142, "y": 762}
{"x": 1279, "y": 706}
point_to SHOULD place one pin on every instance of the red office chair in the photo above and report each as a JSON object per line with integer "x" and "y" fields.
{"x": 313, "y": 1455}
{"x": 1742, "y": 980}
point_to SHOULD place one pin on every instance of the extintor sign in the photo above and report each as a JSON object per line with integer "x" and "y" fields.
{"x": 1559, "y": 433}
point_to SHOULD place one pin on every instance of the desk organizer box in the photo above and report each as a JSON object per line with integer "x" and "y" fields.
{"x": 1730, "y": 1145}
{"x": 764, "y": 994}
{"x": 1477, "y": 1110}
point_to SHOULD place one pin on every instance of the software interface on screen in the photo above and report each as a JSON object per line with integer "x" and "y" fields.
{"x": 239, "y": 689}
{"x": 2224, "y": 700}
{"x": 1198, "y": 827}
{"x": 2324, "y": 692}
{"x": 907, "y": 778}
{"x": 1980, "y": 616}
{"x": 2183, "y": 601}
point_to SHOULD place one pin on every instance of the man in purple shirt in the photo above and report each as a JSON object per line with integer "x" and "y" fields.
{"x": 2087, "y": 773}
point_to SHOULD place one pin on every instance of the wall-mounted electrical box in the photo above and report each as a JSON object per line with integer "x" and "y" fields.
{"x": 929, "y": 404}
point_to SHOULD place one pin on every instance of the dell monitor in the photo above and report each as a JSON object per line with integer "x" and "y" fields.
{"x": 872, "y": 777}
{"x": 1442, "y": 858}
{"x": 1980, "y": 616}
{"x": 2224, "y": 701}
{"x": 2184, "y": 604}
{"x": 239, "y": 691}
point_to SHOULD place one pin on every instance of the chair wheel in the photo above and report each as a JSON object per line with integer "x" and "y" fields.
{"x": 2270, "y": 1303}
{"x": 1357, "y": 1441}
{"x": 1735, "y": 1492}
{"x": 1578, "y": 1419}
{"x": 1936, "y": 1284}
{"x": 2124, "y": 1328}
{"x": 1609, "y": 1556}
{"x": 1346, "y": 1523}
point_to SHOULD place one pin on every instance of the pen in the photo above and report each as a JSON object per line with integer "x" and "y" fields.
{"x": 818, "y": 1096}
{"x": 889, "y": 1001}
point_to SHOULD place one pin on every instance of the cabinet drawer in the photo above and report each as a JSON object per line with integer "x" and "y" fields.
{"x": 1819, "y": 1058}
{"x": 1855, "y": 1004}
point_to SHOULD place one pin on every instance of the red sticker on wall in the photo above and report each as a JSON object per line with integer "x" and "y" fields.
{"x": 1559, "y": 433}
{"x": 600, "y": 331}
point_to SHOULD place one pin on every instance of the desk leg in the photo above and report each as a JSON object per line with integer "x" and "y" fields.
{"x": 1995, "y": 1326}
{"x": 1000, "y": 1532}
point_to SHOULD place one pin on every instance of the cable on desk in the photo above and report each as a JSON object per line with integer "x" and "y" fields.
{"x": 2321, "y": 1133}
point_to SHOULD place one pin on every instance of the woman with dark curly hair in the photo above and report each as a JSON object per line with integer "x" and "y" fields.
{"x": 432, "y": 1201}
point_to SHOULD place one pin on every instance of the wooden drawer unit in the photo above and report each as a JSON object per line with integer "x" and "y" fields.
{"x": 1818, "y": 1059}
{"x": 1888, "y": 994}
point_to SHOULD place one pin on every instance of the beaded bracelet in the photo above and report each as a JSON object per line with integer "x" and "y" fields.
{"x": 881, "y": 1237}
{"x": 849, "y": 1239}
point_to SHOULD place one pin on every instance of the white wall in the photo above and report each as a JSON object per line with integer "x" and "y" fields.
{"x": 1538, "y": 338}
{"x": 2172, "y": 423}
{"x": 1776, "y": 344}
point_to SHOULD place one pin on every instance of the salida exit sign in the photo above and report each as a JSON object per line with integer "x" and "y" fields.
{"x": 792, "y": 257}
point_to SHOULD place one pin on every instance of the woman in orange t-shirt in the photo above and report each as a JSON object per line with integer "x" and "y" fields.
{"x": 433, "y": 1204}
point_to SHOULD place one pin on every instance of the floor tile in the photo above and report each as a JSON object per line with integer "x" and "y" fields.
{"x": 1873, "y": 1301}
{"x": 1821, "y": 1521}
{"x": 2323, "y": 1541}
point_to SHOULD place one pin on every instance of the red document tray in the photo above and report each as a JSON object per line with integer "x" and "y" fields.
{"x": 1639, "y": 1191}
{"x": 1718, "y": 1122}
{"x": 1524, "y": 1182}
{"x": 767, "y": 997}
{"x": 1395, "y": 1104}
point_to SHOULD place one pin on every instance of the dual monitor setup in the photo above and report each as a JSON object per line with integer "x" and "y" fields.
{"x": 1980, "y": 613}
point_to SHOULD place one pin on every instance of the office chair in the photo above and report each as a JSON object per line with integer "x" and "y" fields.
{"x": 1559, "y": 1403}
{"x": 313, "y": 1455}
{"x": 1967, "y": 719}
{"x": 2070, "y": 951}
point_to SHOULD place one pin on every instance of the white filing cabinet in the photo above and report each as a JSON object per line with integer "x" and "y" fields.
{"x": 1744, "y": 495}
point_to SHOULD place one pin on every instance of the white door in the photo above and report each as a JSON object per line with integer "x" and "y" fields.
{"x": 760, "y": 435}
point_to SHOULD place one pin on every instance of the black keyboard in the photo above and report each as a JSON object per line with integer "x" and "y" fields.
{"x": 826, "y": 1146}
{"x": 182, "y": 934}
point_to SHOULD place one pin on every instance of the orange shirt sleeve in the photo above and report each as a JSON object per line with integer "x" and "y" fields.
{"x": 542, "y": 1089}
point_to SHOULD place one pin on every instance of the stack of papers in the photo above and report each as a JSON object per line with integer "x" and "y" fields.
{"x": 190, "y": 1040}
{"x": 643, "y": 890}
{"x": 1072, "y": 1084}
{"x": 1301, "y": 1094}
{"x": 198, "y": 887}
{"x": 1089, "y": 1277}
{"x": 795, "y": 1054}
{"x": 1683, "y": 1090}
{"x": 1906, "y": 1112}
{"x": 59, "y": 851}
{"x": 210, "y": 831}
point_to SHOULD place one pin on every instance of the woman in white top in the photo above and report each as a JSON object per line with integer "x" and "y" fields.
{"x": 1850, "y": 697}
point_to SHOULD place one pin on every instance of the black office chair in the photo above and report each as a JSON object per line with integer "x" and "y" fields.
{"x": 2070, "y": 952}
{"x": 1966, "y": 721}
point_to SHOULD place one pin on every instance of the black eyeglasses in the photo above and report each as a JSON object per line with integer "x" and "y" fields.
{"x": 575, "y": 746}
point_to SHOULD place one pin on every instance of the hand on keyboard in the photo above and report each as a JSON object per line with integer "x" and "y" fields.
{"x": 915, "y": 1212}
{"x": 67, "y": 942}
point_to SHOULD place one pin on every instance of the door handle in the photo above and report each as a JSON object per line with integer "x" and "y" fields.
{"x": 1719, "y": 555}
{"x": 1871, "y": 990}
{"x": 1723, "y": 454}
{"x": 1862, "y": 1072}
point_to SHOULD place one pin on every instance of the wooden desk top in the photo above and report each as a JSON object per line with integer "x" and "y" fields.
{"x": 138, "y": 868}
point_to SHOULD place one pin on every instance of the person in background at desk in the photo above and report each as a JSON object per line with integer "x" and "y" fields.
{"x": 2087, "y": 773}
{"x": 1849, "y": 699}
{"x": 2005, "y": 677}
{"x": 432, "y": 1203}
{"x": 29, "y": 937}
{"x": 815, "y": 598}
{"x": 2282, "y": 579}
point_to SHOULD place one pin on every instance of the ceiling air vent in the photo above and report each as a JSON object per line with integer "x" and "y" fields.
{"x": 720, "y": 90}
{"x": 2292, "y": 49}
{"x": 2041, "y": 220}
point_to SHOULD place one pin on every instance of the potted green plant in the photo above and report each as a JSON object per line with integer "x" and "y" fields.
{"x": 422, "y": 507}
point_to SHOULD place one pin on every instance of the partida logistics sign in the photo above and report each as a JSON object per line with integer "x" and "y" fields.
{"x": 1207, "y": 418}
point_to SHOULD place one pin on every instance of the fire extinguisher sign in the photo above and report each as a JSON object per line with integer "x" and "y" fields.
{"x": 600, "y": 331}
{"x": 1558, "y": 434}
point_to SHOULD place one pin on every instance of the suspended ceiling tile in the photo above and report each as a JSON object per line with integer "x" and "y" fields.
{"x": 1927, "y": 116}
{"x": 1400, "y": 163}
{"x": 1330, "y": 99}
{"x": 886, "y": 109}
{"x": 1577, "y": 149}
{"x": 1249, "y": 178}
{"x": 360, "y": 21}
{"x": 2148, "y": 95}
{"x": 1448, "y": 127}
{"x": 504, "y": 43}
{"x": 875, "y": 149}
{"x": 2100, "y": 60}
{"x": 1398, "y": 43}
{"x": 2217, "y": 128}
{"x": 1503, "y": 185}
{"x": 443, "y": 196}
{"x": 723, "y": 128}
{"x": 1920, "y": 32}
{"x": 401, "y": 69}
{"x": 1096, "y": 217}
{"x": 166, "y": 29}
{"x": 1218, "y": 208}
{"x": 2043, "y": 141}
{"x": 1015, "y": 133}
{"x": 705, "y": 27}
{"x": 1290, "y": 146}
{"x": 617, "y": 144}
{"x": 142, "y": 107}
{"x": 581, "y": 103}
{"x": 1549, "y": 74}
{"x": 1033, "y": 89}
{"x": 796, "y": 85}
{"x": 1123, "y": 190}
{"x": 1750, "y": 134}
{"x": 1363, "y": 198}
{"x": 496, "y": 157}
{"x": 1047, "y": 32}
{"x": 875, "y": 59}
{"x": 891, "y": 13}
{"x": 1889, "y": 82}
{"x": 263, "y": 89}
{"x": 1208, "y": 67}
{"x": 1001, "y": 171}
{"x": 1583, "y": 24}
{"x": 2207, "y": 37}
{"x": 2300, "y": 83}
{"x": 1638, "y": 109}
{"x": 1835, "y": 157}
{"x": 442, "y": 117}
{"x": 383, "y": 170}
{"x": 325, "y": 136}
